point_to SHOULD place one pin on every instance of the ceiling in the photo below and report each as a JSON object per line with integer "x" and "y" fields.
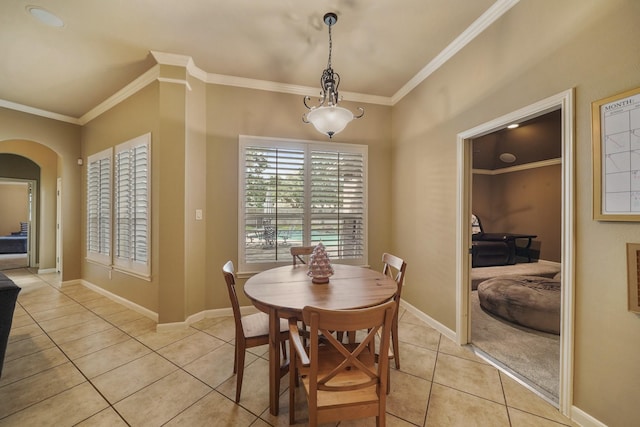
{"x": 534, "y": 140}
{"x": 379, "y": 47}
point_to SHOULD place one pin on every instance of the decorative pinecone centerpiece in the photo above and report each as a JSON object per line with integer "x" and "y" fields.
{"x": 319, "y": 266}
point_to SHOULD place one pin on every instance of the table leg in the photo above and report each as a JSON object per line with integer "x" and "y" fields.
{"x": 274, "y": 361}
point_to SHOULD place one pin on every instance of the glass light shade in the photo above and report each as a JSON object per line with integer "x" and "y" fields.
{"x": 329, "y": 120}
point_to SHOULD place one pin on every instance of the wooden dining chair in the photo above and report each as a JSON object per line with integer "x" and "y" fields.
{"x": 341, "y": 381}
{"x": 395, "y": 268}
{"x": 251, "y": 330}
{"x": 297, "y": 252}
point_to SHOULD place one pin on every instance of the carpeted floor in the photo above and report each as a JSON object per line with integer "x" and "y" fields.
{"x": 532, "y": 355}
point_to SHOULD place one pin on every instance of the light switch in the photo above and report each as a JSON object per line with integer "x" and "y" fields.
{"x": 198, "y": 214}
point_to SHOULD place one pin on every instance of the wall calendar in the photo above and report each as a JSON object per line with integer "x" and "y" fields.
{"x": 616, "y": 157}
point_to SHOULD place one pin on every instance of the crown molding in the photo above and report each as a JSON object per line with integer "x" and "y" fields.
{"x": 175, "y": 59}
{"x": 38, "y": 112}
{"x": 292, "y": 89}
{"x": 165, "y": 58}
{"x": 491, "y": 15}
{"x": 148, "y": 77}
{"x": 526, "y": 166}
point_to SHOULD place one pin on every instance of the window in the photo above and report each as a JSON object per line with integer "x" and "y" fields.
{"x": 126, "y": 178}
{"x": 99, "y": 207}
{"x": 131, "y": 198}
{"x": 301, "y": 193}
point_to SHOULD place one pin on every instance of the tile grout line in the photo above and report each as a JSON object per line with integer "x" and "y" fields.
{"x": 178, "y": 367}
{"x": 70, "y": 361}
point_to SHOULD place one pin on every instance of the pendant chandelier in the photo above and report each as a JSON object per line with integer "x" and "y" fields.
{"x": 327, "y": 117}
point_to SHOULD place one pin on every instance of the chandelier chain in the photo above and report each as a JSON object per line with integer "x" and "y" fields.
{"x": 330, "y": 48}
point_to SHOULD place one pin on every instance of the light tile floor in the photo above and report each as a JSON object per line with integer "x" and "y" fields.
{"x": 77, "y": 358}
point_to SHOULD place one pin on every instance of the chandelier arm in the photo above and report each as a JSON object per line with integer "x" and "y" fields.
{"x": 306, "y": 98}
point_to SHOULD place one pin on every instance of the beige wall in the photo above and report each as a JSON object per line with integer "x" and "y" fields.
{"x": 55, "y": 147}
{"x": 196, "y": 198}
{"x": 537, "y": 49}
{"x": 14, "y": 208}
{"x": 523, "y": 202}
{"x": 135, "y": 116}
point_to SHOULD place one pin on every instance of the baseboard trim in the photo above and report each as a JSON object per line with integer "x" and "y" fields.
{"x": 133, "y": 306}
{"x": 160, "y": 327}
{"x": 429, "y": 321}
{"x": 584, "y": 419}
{"x": 206, "y": 314}
{"x": 47, "y": 270}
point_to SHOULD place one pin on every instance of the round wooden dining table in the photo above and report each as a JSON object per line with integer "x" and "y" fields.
{"x": 283, "y": 292}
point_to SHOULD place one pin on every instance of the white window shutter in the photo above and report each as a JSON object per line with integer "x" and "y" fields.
{"x": 99, "y": 207}
{"x": 300, "y": 193}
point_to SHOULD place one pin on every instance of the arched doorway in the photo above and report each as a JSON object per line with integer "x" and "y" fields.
{"x": 35, "y": 163}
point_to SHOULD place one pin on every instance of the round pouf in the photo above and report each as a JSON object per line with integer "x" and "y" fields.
{"x": 529, "y": 301}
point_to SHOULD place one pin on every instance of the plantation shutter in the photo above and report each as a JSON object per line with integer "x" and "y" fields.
{"x": 99, "y": 207}
{"x": 132, "y": 205}
{"x": 300, "y": 193}
{"x": 274, "y": 201}
{"x": 338, "y": 203}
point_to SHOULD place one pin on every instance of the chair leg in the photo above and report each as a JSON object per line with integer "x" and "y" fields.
{"x": 235, "y": 358}
{"x": 388, "y": 380}
{"x": 293, "y": 383}
{"x": 396, "y": 343}
{"x": 239, "y": 375}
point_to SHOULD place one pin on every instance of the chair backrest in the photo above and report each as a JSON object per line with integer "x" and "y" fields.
{"x": 230, "y": 279}
{"x": 395, "y": 268}
{"x": 354, "y": 367}
{"x": 476, "y": 225}
{"x": 299, "y": 251}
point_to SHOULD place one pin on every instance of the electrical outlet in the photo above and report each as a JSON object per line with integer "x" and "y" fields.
{"x": 198, "y": 214}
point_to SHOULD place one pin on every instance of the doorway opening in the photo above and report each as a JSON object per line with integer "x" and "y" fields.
{"x": 469, "y": 203}
{"x": 516, "y": 202}
{"x": 17, "y": 223}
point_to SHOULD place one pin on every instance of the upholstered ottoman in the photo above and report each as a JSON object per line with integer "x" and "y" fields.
{"x": 8, "y": 296}
{"x": 529, "y": 301}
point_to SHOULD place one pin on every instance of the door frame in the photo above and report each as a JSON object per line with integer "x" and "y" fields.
{"x": 565, "y": 102}
{"x": 59, "y": 225}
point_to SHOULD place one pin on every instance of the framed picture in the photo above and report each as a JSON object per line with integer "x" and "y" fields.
{"x": 616, "y": 157}
{"x": 633, "y": 277}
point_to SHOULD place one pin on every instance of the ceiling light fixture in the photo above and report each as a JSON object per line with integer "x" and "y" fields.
{"x": 45, "y": 16}
{"x": 513, "y": 126}
{"x": 507, "y": 157}
{"x": 328, "y": 117}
